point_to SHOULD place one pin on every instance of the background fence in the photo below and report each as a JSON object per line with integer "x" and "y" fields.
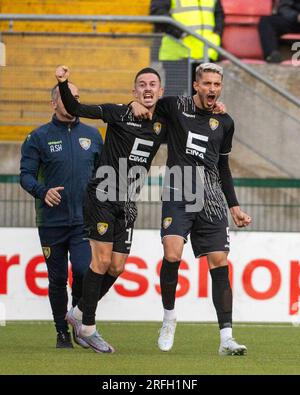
{"x": 274, "y": 204}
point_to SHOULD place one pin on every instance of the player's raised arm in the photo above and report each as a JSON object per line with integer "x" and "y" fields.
{"x": 71, "y": 103}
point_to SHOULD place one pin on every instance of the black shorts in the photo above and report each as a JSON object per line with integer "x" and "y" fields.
{"x": 208, "y": 234}
{"x": 105, "y": 221}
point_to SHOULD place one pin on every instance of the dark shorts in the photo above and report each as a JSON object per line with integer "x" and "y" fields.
{"x": 105, "y": 221}
{"x": 208, "y": 234}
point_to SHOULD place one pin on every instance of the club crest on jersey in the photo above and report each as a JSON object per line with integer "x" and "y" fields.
{"x": 157, "y": 127}
{"x": 85, "y": 143}
{"x": 167, "y": 222}
{"x": 46, "y": 252}
{"x": 102, "y": 228}
{"x": 213, "y": 123}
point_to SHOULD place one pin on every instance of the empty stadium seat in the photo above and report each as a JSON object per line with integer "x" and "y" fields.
{"x": 242, "y": 41}
{"x": 291, "y": 37}
{"x": 245, "y": 8}
{"x": 240, "y": 36}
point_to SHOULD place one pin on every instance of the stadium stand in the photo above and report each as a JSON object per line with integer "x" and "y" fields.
{"x": 240, "y": 35}
{"x": 32, "y": 58}
{"x": 75, "y": 7}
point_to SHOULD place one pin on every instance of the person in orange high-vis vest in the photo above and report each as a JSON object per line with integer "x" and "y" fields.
{"x": 205, "y": 17}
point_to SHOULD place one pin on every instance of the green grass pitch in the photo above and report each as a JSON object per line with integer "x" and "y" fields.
{"x": 29, "y": 348}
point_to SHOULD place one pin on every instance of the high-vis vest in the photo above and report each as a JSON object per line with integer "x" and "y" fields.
{"x": 199, "y": 16}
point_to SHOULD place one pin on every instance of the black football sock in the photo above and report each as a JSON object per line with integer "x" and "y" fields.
{"x": 76, "y": 289}
{"x": 168, "y": 283}
{"x": 90, "y": 292}
{"x": 108, "y": 281}
{"x": 222, "y": 296}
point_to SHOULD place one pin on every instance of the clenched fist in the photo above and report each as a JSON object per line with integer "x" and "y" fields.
{"x": 62, "y": 73}
{"x": 240, "y": 218}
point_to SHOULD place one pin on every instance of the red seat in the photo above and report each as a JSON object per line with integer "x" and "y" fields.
{"x": 241, "y": 19}
{"x": 247, "y": 7}
{"x": 246, "y": 60}
{"x": 242, "y": 41}
{"x": 291, "y": 36}
{"x": 240, "y": 36}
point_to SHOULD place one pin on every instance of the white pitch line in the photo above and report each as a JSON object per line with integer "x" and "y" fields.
{"x": 134, "y": 323}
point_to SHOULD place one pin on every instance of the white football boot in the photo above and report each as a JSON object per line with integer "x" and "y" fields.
{"x": 231, "y": 347}
{"x": 166, "y": 335}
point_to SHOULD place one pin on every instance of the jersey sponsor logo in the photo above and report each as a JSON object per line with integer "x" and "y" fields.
{"x": 193, "y": 146}
{"x": 167, "y": 222}
{"x": 55, "y": 146}
{"x": 85, "y": 143}
{"x": 213, "y": 123}
{"x": 157, "y": 127}
{"x": 46, "y": 252}
{"x": 189, "y": 115}
{"x": 102, "y": 228}
{"x": 137, "y": 155}
{"x": 136, "y": 125}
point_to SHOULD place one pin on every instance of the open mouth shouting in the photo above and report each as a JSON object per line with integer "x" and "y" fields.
{"x": 211, "y": 99}
{"x": 148, "y": 98}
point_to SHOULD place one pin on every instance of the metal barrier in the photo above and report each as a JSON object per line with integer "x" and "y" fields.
{"x": 274, "y": 204}
{"x": 155, "y": 19}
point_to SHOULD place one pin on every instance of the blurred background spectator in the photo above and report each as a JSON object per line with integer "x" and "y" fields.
{"x": 285, "y": 20}
{"x": 205, "y": 17}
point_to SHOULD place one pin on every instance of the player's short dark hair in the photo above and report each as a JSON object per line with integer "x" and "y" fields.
{"x": 147, "y": 70}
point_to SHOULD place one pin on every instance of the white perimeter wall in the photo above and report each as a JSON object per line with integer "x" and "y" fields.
{"x": 265, "y": 279}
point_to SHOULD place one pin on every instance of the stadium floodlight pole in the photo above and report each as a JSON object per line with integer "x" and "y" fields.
{"x": 156, "y": 19}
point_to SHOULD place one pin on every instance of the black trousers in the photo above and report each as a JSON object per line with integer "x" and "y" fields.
{"x": 59, "y": 244}
{"x": 271, "y": 28}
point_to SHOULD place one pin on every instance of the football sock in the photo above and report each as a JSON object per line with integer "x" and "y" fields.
{"x": 76, "y": 289}
{"x": 90, "y": 292}
{"x": 87, "y": 330}
{"x": 222, "y": 296}
{"x": 168, "y": 283}
{"x": 77, "y": 313}
{"x": 169, "y": 315}
{"x": 225, "y": 334}
{"x": 75, "y": 300}
{"x": 107, "y": 283}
